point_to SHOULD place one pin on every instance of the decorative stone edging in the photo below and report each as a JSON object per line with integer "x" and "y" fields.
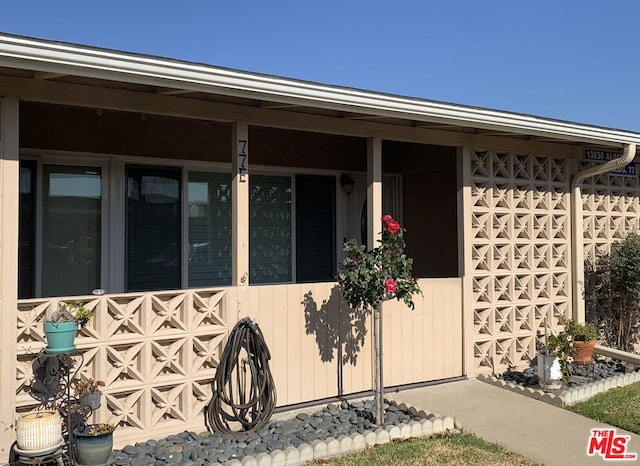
{"x": 567, "y": 397}
{"x": 332, "y": 447}
{"x": 431, "y": 424}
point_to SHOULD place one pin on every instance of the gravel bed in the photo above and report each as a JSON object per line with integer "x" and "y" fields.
{"x": 581, "y": 374}
{"x": 192, "y": 449}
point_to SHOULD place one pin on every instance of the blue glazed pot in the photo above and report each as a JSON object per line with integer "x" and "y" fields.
{"x": 60, "y": 336}
{"x": 92, "y": 450}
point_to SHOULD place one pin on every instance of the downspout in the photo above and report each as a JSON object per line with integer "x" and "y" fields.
{"x": 577, "y": 237}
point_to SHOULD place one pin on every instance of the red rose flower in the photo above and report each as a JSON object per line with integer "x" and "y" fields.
{"x": 390, "y": 285}
{"x": 393, "y": 227}
{"x": 386, "y": 219}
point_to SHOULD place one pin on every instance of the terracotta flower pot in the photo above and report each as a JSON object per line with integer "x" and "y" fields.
{"x": 584, "y": 355}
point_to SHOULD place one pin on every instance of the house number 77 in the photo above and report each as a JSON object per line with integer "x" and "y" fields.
{"x": 243, "y": 168}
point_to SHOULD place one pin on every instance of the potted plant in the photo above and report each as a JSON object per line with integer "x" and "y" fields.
{"x": 584, "y": 339}
{"x": 88, "y": 393}
{"x": 93, "y": 443}
{"x": 573, "y": 344}
{"x": 60, "y": 326}
{"x": 553, "y": 360}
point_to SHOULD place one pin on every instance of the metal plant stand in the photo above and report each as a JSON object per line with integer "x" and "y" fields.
{"x": 53, "y": 374}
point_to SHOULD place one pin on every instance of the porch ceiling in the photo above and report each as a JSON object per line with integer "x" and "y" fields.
{"x": 36, "y": 59}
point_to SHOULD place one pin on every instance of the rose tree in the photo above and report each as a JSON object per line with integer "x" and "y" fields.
{"x": 367, "y": 278}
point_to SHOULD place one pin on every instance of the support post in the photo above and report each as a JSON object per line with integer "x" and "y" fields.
{"x": 240, "y": 214}
{"x": 374, "y": 190}
{"x": 9, "y": 182}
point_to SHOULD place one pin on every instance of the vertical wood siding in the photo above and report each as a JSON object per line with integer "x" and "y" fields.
{"x": 305, "y": 340}
{"x": 424, "y": 344}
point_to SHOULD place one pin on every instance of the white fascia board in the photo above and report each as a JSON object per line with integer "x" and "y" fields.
{"x": 116, "y": 66}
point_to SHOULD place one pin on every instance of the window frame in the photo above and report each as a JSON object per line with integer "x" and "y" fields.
{"x": 40, "y": 160}
{"x": 113, "y": 180}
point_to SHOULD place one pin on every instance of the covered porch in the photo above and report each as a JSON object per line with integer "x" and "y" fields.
{"x": 189, "y": 225}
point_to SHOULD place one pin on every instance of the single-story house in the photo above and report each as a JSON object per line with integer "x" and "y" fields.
{"x": 195, "y": 195}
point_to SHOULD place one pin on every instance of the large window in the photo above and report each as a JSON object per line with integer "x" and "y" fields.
{"x": 71, "y": 230}
{"x": 68, "y": 253}
{"x": 315, "y": 228}
{"x": 271, "y": 242}
{"x": 152, "y": 242}
{"x": 176, "y": 231}
{"x": 174, "y": 236}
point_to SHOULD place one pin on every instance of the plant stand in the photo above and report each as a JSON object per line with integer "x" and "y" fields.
{"x": 53, "y": 373}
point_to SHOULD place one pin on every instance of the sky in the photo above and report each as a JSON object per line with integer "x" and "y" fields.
{"x": 576, "y": 60}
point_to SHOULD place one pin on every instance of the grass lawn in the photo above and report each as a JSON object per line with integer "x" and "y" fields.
{"x": 618, "y": 407}
{"x": 458, "y": 449}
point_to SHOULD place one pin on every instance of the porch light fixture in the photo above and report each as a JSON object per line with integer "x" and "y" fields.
{"x": 347, "y": 183}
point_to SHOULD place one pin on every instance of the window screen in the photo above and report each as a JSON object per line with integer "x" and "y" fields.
{"x": 270, "y": 229}
{"x": 209, "y": 211}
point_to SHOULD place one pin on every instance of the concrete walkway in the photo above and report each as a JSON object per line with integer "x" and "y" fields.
{"x": 537, "y": 430}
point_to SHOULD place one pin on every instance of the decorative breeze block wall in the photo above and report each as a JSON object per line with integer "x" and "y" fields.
{"x": 157, "y": 353}
{"x": 611, "y": 210}
{"x": 520, "y": 253}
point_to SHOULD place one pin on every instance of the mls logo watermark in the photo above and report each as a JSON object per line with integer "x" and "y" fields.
{"x": 606, "y": 443}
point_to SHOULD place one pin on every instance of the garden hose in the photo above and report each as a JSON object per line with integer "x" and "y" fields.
{"x": 243, "y": 387}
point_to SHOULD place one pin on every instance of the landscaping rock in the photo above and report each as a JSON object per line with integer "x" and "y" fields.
{"x": 336, "y": 421}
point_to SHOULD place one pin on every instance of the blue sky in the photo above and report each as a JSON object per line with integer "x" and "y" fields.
{"x": 575, "y": 60}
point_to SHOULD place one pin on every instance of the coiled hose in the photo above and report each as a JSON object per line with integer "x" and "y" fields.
{"x": 238, "y": 396}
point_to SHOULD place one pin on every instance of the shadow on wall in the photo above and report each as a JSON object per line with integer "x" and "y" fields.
{"x": 340, "y": 331}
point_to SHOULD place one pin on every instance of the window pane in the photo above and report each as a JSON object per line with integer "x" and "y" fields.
{"x": 209, "y": 213}
{"x": 71, "y": 230}
{"x": 153, "y": 229}
{"x": 270, "y": 229}
{"x": 26, "y": 230}
{"x": 315, "y": 228}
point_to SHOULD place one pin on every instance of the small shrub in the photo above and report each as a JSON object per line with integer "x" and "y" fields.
{"x": 612, "y": 293}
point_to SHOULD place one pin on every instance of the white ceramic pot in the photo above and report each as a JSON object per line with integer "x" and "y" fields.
{"x": 38, "y": 430}
{"x": 549, "y": 371}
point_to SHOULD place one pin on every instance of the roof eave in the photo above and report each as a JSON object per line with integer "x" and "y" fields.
{"x": 68, "y": 59}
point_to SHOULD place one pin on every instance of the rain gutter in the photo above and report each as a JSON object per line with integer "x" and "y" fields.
{"x": 577, "y": 237}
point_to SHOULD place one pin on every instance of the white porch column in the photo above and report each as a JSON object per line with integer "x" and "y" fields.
{"x": 240, "y": 214}
{"x": 9, "y": 182}
{"x": 374, "y": 190}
